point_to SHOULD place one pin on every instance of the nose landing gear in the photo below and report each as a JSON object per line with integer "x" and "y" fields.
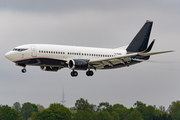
{"x": 23, "y": 70}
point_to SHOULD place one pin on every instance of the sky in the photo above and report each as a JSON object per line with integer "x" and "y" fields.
{"x": 94, "y": 23}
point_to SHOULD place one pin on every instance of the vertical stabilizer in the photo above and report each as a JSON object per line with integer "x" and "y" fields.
{"x": 140, "y": 41}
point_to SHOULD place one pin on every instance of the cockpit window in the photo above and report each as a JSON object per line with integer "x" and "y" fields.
{"x": 19, "y": 49}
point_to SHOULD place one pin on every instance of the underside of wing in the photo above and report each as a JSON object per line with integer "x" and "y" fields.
{"x": 101, "y": 62}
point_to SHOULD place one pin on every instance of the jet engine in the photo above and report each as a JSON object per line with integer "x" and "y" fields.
{"x": 78, "y": 64}
{"x": 49, "y": 68}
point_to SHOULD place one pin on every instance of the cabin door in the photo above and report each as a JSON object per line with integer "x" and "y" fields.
{"x": 33, "y": 51}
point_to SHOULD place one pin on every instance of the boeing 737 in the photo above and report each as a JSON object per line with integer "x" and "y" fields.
{"x": 55, "y": 57}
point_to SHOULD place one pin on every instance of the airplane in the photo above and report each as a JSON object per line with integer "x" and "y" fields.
{"x": 55, "y": 57}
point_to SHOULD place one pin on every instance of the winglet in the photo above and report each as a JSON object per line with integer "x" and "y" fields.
{"x": 150, "y": 46}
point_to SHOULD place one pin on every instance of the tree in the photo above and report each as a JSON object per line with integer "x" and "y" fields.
{"x": 84, "y": 105}
{"x": 44, "y": 115}
{"x": 122, "y": 112}
{"x": 140, "y": 106}
{"x": 115, "y": 106}
{"x": 60, "y": 111}
{"x": 40, "y": 107}
{"x": 162, "y": 108}
{"x": 174, "y": 110}
{"x": 27, "y": 110}
{"x": 105, "y": 106}
{"x": 35, "y": 109}
{"x": 104, "y": 115}
{"x": 148, "y": 112}
{"x": 7, "y": 113}
{"x": 0, "y": 112}
{"x": 115, "y": 116}
{"x": 82, "y": 115}
{"x": 134, "y": 115}
{"x": 17, "y": 107}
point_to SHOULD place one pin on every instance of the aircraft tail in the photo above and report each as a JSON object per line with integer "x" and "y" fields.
{"x": 140, "y": 41}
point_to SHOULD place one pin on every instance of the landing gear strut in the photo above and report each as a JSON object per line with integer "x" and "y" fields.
{"x": 89, "y": 73}
{"x": 74, "y": 73}
{"x": 24, "y": 69}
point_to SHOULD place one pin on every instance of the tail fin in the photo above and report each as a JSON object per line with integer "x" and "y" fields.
{"x": 140, "y": 41}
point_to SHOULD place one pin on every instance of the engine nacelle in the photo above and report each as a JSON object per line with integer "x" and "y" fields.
{"x": 78, "y": 64}
{"x": 49, "y": 68}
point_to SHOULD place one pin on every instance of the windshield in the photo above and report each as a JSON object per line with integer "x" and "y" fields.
{"x": 19, "y": 49}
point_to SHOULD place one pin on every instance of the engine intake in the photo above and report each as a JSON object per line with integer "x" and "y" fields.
{"x": 77, "y": 64}
{"x": 49, "y": 68}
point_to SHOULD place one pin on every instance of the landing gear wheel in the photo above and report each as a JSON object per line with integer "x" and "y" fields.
{"x": 74, "y": 73}
{"x": 89, "y": 73}
{"x": 23, "y": 70}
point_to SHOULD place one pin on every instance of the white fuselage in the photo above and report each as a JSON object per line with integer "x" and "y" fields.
{"x": 61, "y": 52}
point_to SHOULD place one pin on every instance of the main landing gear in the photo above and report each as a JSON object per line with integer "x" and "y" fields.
{"x": 74, "y": 73}
{"x": 88, "y": 73}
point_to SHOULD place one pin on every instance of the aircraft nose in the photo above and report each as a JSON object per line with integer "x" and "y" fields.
{"x": 8, "y": 55}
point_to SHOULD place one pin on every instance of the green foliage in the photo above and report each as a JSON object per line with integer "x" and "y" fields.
{"x": 40, "y": 107}
{"x": 17, "y": 107}
{"x": 174, "y": 110}
{"x": 84, "y": 105}
{"x": 122, "y": 112}
{"x": 115, "y": 106}
{"x": 44, "y": 115}
{"x": 7, "y": 113}
{"x": 95, "y": 115}
{"x": 82, "y": 115}
{"x": 85, "y": 111}
{"x": 115, "y": 116}
{"x": 105, "y": 106}
{"x": 104, "y": 115}
{"x": 148, "y": 113}
{"x": 60, "y": 111}
{"x": 27, "y": 110}
{"x": 134, "y": 115}
{"x": 35, "y": 108}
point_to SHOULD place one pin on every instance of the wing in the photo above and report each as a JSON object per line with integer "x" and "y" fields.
{"x": 101, "y": 62}
{"x": 154, "y": 53}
